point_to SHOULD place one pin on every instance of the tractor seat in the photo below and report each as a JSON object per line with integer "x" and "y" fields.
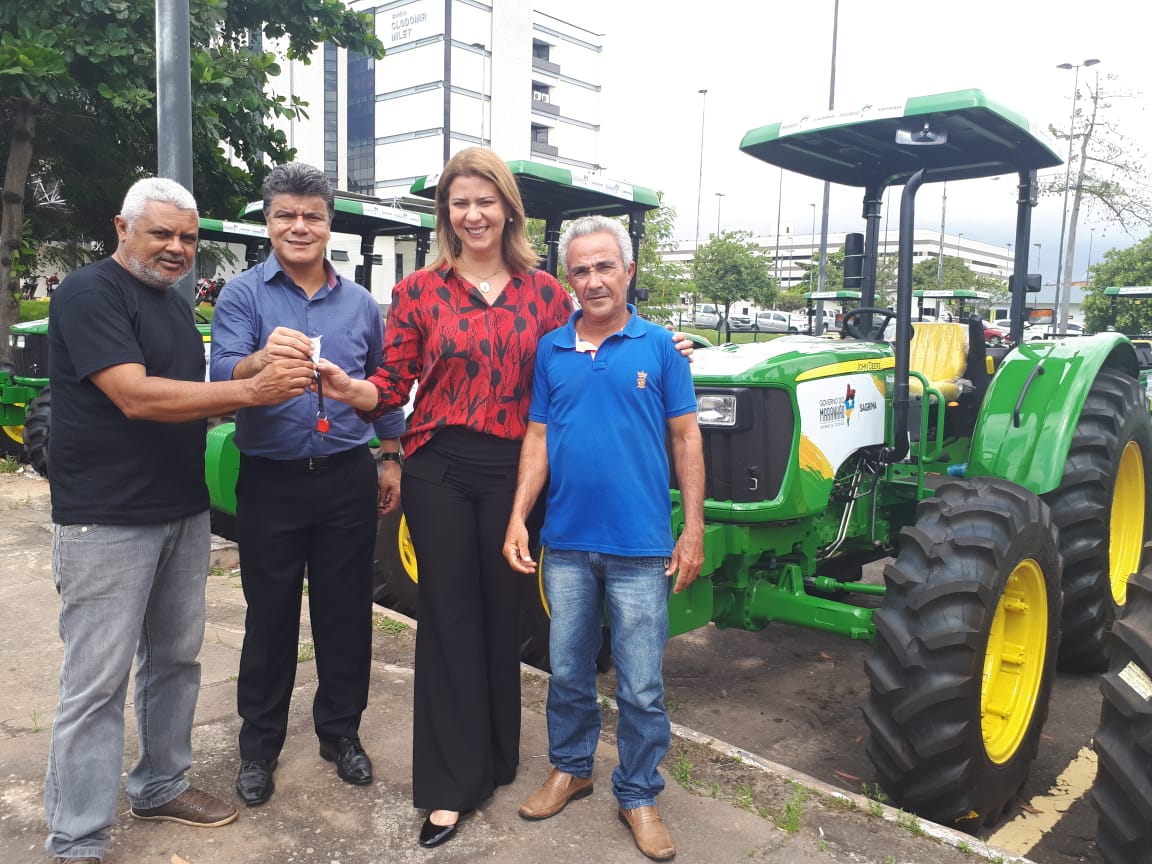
{"x": 939, "y": 352}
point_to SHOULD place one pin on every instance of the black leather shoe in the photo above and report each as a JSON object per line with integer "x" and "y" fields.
{"x": 254, "y": 781}
{"x": 432, "y": 835}
{"x": 352, "y": 763}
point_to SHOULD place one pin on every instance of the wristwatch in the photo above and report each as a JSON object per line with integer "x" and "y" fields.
{"x": 390, "y": 456}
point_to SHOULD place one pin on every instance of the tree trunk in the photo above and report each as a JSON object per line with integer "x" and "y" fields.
{"x": 12, "y": 216}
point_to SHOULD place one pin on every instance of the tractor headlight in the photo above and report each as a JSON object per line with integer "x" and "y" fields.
{"x": 16, "y": 340}
{"x": 716, "y": 409}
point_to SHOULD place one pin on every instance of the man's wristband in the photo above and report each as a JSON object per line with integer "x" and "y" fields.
{"x": 390, "y": 456}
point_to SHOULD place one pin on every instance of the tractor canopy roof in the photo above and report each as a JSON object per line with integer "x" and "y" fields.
{"x": 227, "y": 231}
{"x": 841, "y": 294}
{"x": 951, "y": 293}
{"x": 552, "y": 192}
{"x": 953, "y": 136}
{"x": 354, "y": 213}
{"x": 1131, "y": 291}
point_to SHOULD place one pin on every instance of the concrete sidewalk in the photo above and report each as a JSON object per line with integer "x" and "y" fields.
{"x": 314, "y": 818}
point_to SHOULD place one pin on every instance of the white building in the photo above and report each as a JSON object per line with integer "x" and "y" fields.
{"x": 457, "y": 73}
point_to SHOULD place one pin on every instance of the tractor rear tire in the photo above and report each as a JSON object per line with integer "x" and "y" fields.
{"x": 1102, "y": 510}
{"x": 1122, "y": 794}
{"x": 394, "y": 570}
{"x": 965, "y": 652}
{"x": 37, "y": 426}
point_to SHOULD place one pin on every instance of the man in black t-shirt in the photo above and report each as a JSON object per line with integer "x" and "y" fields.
{"x": 130, "y": 538}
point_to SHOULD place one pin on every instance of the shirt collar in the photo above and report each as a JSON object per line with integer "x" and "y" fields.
{"x": 566, "y": 336}
{"x": 272, "y": 269}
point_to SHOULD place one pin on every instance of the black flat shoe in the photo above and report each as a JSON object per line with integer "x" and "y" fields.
{"x": 254, "y": 781}
{"x": 432, "y": 835}
{"x": 352, "y": 763}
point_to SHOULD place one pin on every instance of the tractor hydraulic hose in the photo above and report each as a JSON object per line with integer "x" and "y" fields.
{"x": 899, "y": 448}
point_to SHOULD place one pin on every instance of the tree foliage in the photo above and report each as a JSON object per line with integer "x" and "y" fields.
{"x": 729, "y": 267}
{"x": 1120, "y": 268}
{"x": 77, "y": 103}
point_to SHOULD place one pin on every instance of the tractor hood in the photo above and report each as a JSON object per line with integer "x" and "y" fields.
{"x": 787, "y": 359}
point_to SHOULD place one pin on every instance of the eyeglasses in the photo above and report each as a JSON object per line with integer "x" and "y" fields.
{"x": 603, "y": 269}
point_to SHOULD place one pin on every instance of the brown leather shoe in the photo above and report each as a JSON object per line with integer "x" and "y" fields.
{"x": 554, "y": 795}
{"x": 649, "y": 832}
{"x": 191, "y": 807}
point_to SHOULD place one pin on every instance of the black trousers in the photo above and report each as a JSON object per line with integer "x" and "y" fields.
{"x": 293, "y": 520}
{"x": 457, "y": 492}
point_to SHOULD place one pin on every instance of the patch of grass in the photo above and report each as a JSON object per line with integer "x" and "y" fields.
{"x": 605, "y": 702}
{"x": 964, "y": 847}
{"x": 743, "y": 798}
{"x": 910, "y": 822}
{"x": 37, "y": 725}
{"x": 737, "y": 758}
{"x": 793, "y": 810}
{"x": 714, "y": 789}
{"x": 388, "y": 626}
{"x": 307, "y": 652}
{"x": 9, "y": 465}
{"x": 672, "y": 704}
{"x": 305, "y": 589}
{"x": 876, "y": 798}
{"x": 217, "y": 572}
{"x": 822, "y": 845}
{"x": 682, "y": 770}
{"x": 233, "y": 678}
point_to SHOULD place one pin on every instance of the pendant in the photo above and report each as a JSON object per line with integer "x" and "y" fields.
{"x": 484, "y": 287}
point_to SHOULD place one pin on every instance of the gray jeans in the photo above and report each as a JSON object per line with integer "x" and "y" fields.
{"x": 124, "y": 590}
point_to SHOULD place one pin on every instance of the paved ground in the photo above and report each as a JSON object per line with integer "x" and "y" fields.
{"x": 721, "y": 804}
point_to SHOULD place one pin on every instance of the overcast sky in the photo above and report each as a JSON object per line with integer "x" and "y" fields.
{"x": 767, "y": 61}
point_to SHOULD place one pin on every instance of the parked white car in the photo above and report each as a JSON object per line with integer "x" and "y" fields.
{"x": 775, "y": 321}
{"x": 706, "y": 316}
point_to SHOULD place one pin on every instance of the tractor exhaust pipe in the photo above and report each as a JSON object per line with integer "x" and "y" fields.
{"x": 899, "y": 448}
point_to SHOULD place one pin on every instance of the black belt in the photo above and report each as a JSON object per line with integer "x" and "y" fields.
{"x": 311, "y": 463}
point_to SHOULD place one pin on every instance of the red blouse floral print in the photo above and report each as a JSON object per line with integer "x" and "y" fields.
{"x": 473, "y": 361}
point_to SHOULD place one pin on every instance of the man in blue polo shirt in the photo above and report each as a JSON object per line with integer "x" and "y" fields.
{"x": 609, "y": 389}
{"x": 308, "y": 494}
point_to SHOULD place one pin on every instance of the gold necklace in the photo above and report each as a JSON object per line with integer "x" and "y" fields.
{"x": 484, "y": 284}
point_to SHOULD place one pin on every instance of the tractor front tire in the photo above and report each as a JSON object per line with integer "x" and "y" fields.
{"x": 37, "y": 426}
{"x": 394, "y": 570}
{"x": 1122, "y": 794}
{"x": 965, "y": 652}
{"x": 1101, "y": 509}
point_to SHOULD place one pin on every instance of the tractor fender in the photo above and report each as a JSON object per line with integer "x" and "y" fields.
{"x": 222, "y": 467}
{"x": 1030, "y": 411}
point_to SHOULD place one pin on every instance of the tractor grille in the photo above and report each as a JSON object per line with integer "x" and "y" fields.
{"x": 748, "y": 463}
{"x": 32, "y": 360}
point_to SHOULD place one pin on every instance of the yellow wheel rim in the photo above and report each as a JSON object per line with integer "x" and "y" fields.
{"x": 1126, "y": 528}
{"x": 407, "y": 552}
{"x": 540, "y": 584}
{"x": 15, "y": 434}
{"x": 1014, "y": 662}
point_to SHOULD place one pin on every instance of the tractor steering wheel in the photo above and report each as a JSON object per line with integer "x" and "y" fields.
{"x": 849, "y": 323}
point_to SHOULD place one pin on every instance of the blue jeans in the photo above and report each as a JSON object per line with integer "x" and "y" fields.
{"x": 578, "y": 586}
{"x": 124, "y": 590}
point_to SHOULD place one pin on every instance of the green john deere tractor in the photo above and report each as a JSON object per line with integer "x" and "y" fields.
{"x": 1009, "y": 485}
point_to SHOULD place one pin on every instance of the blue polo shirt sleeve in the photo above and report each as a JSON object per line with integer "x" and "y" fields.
{"x": 679, "y": 392}
{"x": 541, "y": 390}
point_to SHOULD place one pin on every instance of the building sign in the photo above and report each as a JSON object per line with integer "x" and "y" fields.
{"x": 409, "y": 23}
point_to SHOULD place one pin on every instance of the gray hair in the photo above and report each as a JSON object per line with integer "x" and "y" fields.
{"x": 586, "y": 225}
{"x": 154, "y": 189}
{"x": 300, "y": 179}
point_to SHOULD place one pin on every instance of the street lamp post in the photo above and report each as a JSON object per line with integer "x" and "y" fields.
{"x": 700, "y": 177}
{"x": 1091, "y": 237}
{"x": 1063, "y": 273}
{"x": 959, "y": 237}
{"x": 719, "y": 201}
{"x": 812, "y": 242}
{"x": 1008, "y": 255}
